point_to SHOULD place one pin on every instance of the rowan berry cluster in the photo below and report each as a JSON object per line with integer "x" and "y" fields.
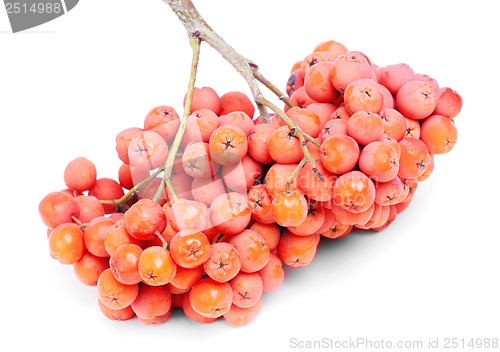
{"x": 240, "y": 198}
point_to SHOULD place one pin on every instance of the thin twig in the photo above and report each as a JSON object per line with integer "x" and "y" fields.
{"x": 294, "y": 174}
{"x": 194, "y": 40}
{"x": 164, "y": 242}
{"x": 217, "y": 238}
{"x": 194, "y": 23}
{"x": 283, "y": 97}
{"x": 131, "y": 192}
{"x": 298, "y": 133}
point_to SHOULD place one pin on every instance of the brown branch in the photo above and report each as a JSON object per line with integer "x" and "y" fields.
{"x": 195, "y": 24}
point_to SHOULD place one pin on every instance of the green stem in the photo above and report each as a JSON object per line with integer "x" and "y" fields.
{"x": 294, "y": 173}
{"x": 217, "y": 238}
{"x": 194, "y": 40}
{"x": 283, "y": 97}
{"x": 131, "y": 192}
{"x": 163, "y": 240}
{"x": 298, "y": 133}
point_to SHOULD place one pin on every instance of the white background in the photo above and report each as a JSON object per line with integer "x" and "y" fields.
{"x": 69, "y": 86}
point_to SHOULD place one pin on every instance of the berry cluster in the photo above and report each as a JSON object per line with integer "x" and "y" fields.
{"x": 379, "y": 128}
{"x": 241, "y": 198}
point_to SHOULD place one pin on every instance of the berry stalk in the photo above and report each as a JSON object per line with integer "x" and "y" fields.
{"x": 195, "y": 24}
{"x": 194, "y": 40}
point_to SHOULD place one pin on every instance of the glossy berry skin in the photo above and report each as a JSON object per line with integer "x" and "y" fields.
{"x": 238, "y": 119}
{"x": 416, "y": 100}
{"x": 144, "y": 218}
{"x": 228, "y": 145}
{"x": 236, "y": 101}
{"x": 206, "y": 190}
{"x": 395, "y": 76}
{"x": 270, "y": 233}
{"x": 317, "y": 83}
{"x": 240, "y": 316}
{"x": 187, "y": 308}
{"x": 124, "y": 264}
{"x": 147, "y": 150}
{"x": 197, "y": 161}
{"x": 306, "y": 120}
{"x": 295, "y": 81}
{"x": 277, "y": 177}
{"x": 289, "y": 209}
{"x": 449, "y": 103}
{"x": 394, "y": 123}
{"x": 337, "y": 230}
{"x": 347, "y": 68}
{"x": 332, "y": 48}
{"x": 388, "y": 193}
{"x": 117, "y": 235}
{"x": 185, "y": 278}
{"x": 94, "y": 235}
{"x": 388, "y": 99}
{"x": 284, "y": 146}
{"x": 334, "y": 127}
{"x": 259, "y": 201}
{"x": 324, "y": 111}
{"x": 314, "y": 187}
{"x": 354, "y": 191}
{"x": 412, "y": 128}
{"x": 89, "y": 267}
{"x": 379, "y": 161}
{"x": 300, "y": 99}
{"x": 363, "y": 94}
{"x": 189, "y": 248}
{"x": 253, "y": 250}
{"x": 223, "y": 263}
{"x": 107, "y": 189}
{"x": 121, "y": 314}
{"x": 205, "y": 98}
{"x": 242, "y": 176}
{"x": 339, "y": 154}
{"x": 413, "y": 160}
{"x": 80, "y": 174}
{"x": 159, "y": 319}
{"x": 346, "y": 217}
{"x": 123, "y": 140}
{"x": 113, "y": 293}
{"x": 201, "y": 124}
{"x": 211, "y": 298}
{"x": 188, "y": 215}
{"x": 163, "y": 120}
{"x": 129, "y": 176}
{"x": 57, "y": 208}
{"x": 247, "y": 289}
{"x": 272, "y": 274}
{"x": 365, "y": 127}
{"x": 296, "y": 250}
{"x": 230, "y": 213}
{"x": 90, "y": 208}
{"x": 258, "y": 142}
{"x": 439, "y": 133}
{"x": 152, "y": 301}
{"x": 66, "y": 243}
{"x": 314, "y": 219}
